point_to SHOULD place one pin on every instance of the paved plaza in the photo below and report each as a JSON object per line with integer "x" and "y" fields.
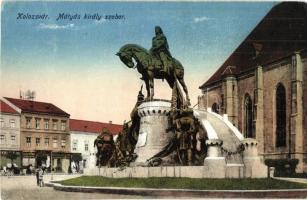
{"x": 25, "y": 188}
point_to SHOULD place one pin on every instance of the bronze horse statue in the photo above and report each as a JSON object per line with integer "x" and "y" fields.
{"x": 150, "y": 68}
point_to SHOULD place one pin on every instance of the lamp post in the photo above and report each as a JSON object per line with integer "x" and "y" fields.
{"x": 51, "y": 165}
{"x": 207, "y": 97}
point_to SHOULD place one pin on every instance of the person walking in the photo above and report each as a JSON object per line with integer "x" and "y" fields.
{"x": 37, "y": 176}
{"x": 41, "y": 177}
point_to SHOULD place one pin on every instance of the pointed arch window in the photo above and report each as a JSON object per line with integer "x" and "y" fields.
{"x": 215, "y": 108}
{"x": 248, "y": 117}
{"x": 280, "y": 115}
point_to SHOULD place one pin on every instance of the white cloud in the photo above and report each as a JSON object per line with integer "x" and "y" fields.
{"x": 55, "y": 26}
{"x": 201, "y": 19}
{"x": 102, "y": 20}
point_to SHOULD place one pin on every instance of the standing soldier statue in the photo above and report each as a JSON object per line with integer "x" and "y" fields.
{"x": 186, "y": 135}
{"x": 127, "y": 139}
{"x": 160, "y": 49}
{"x": 105, "y": 147}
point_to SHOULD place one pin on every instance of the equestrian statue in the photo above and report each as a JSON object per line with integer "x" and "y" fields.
{"x": 154, "y": 64}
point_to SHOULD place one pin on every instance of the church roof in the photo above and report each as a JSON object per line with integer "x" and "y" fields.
{"x": 280, "y": 33}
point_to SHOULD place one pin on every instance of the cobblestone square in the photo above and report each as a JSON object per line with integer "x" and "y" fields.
{"x": 25, "y": 188}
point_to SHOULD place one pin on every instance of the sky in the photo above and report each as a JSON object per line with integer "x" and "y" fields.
{"x": 72, "y": 63}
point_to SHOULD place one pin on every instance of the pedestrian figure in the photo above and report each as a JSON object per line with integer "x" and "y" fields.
{"x": 40, "y": 177}
{"x": 37, "y": 176}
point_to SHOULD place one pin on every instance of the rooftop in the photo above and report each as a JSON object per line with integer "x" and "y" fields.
{"x": 37, "y": 107}
{"x": 93, "y": 127}
{"x": 280, "y": 33}
{"x": 5, "y": 108}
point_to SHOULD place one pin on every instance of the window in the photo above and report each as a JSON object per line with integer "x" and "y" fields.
{"x": 46, "y": 124}
{"x": 2, "y": 139}
{"x": 55, "y": 125}
{"x": 248, "y": 117}
{"x": 28, "y": 141}
{"x": 12, "y": 123}
{"x": 28, "y": 122}
{"x": 63, "y": 143}
{"x": 13, "y": 139}
{"x": 86, "y": 146}
{"x": 47, "y": 142}
{"x": 2, "y": 122}
{"x": 215, "y": 108}
{"x": 37, "y": 123}
{"x": 38, "y": 141}
{"x": 63, "y": 125}
{"x": 280, "y": 116}
{"x": 55, "y": 142}
{"x": 74, "y": 145}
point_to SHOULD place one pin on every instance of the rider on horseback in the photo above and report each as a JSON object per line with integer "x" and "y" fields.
{"x": 160, "y": 50}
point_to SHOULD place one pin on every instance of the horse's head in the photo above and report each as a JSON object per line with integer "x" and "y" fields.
{"x": 131, "y": 53}
{"x": 126, "y": 55}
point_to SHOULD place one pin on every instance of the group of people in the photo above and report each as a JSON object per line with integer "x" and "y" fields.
{"x": 10, "y": 169}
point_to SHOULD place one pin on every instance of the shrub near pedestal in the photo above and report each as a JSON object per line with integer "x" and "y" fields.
{"x": 283, "y": 167}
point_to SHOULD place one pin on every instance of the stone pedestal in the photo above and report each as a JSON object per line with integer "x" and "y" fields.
{"x": 214, "y": 164}
{"x": 91, "y": 161}
{"x": 254, "y": 168}
{"x": 152, "y": 136}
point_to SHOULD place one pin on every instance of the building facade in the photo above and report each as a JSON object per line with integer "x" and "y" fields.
{"x": 83, "y": 134}
{"x": 44, "y": 134}
{"x": 9, "y": 135}
{"x": 262, "y": 86}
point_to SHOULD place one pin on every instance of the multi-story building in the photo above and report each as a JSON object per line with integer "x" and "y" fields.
{"x": 262, "y": 86}
{"x": 44, "y": 134}
{"x": 83, "y": 134}
{"x": 9, "y": 135}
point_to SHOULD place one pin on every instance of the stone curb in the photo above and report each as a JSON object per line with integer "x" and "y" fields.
{"x": 283, "y": 193}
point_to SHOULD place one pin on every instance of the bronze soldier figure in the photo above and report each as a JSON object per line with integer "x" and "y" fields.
{"x": 105, "y": 147}
{"x": 186, "y": 135}
{"x": 127, "y": 139}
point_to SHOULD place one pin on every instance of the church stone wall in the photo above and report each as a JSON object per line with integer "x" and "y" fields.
{"x": 304, "y": 60}
{"x": 278, "y": 72}
{"x": 272, "y": 75}
{"x": 214, "y": 97}
{"x": 246, "y": 85}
